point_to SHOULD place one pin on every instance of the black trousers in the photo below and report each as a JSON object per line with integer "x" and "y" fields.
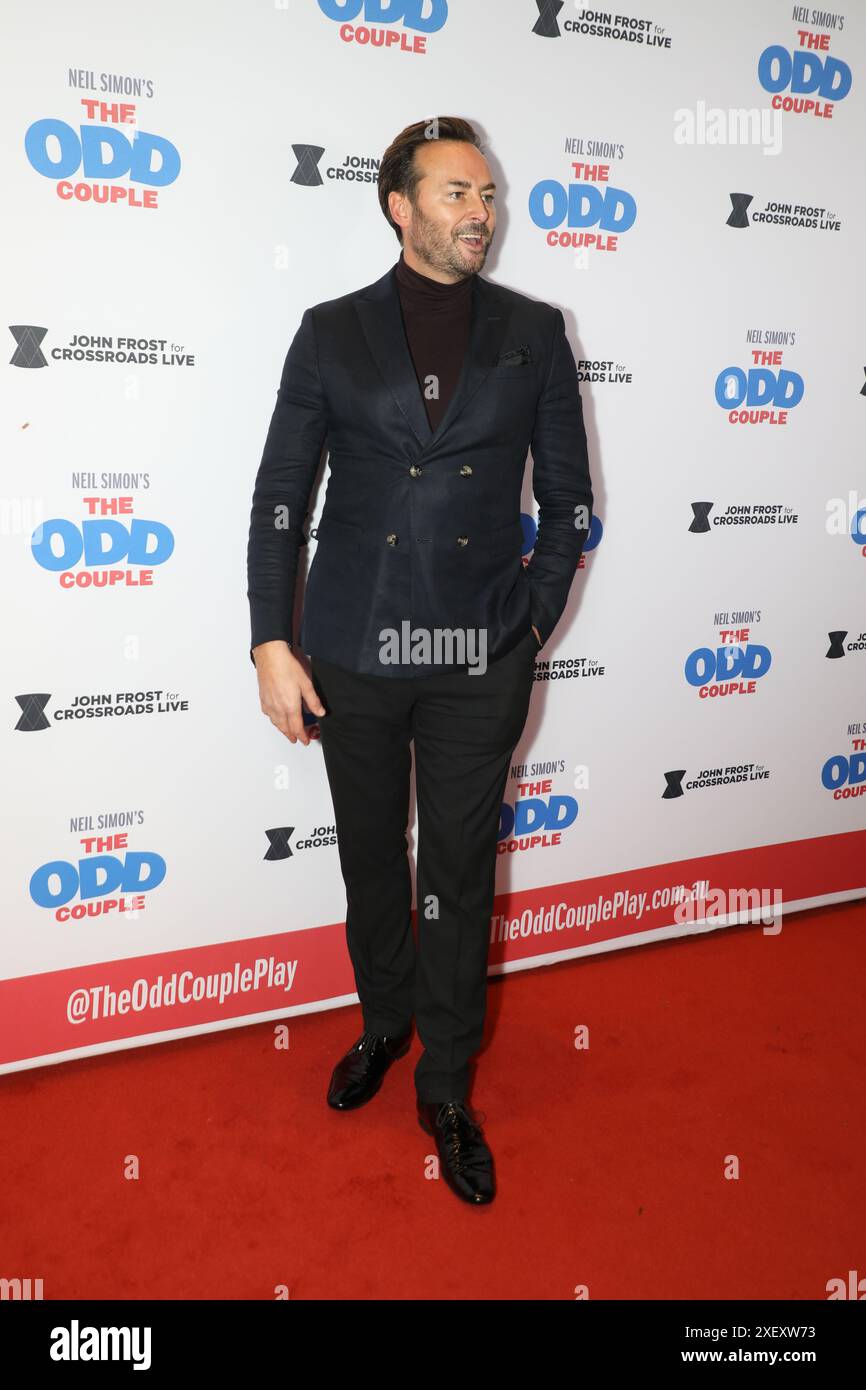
{"x": 464, "y": 728}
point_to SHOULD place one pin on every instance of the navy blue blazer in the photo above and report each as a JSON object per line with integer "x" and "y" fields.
{"x": 419, "y": 526}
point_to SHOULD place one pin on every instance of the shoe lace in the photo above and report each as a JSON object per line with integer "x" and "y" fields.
{"x": 366, "y": 1040}
{"x": 462, "y": 1135}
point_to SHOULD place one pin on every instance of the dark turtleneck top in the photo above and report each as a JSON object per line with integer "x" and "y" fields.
{"x": 437, "y": 319}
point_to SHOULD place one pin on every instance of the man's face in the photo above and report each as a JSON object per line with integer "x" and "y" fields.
{"x": 451, "y": 226}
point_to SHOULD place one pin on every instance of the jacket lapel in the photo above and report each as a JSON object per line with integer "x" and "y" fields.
{"x": 378, "y": 308}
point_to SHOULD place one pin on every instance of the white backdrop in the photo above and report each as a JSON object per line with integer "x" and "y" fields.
{"x": 170, "y": 864}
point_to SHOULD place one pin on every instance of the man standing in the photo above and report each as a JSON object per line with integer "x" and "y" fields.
{"x": 421, "y": 621}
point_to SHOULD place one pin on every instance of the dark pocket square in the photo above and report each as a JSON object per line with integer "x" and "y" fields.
{"x": 516, "y": 357}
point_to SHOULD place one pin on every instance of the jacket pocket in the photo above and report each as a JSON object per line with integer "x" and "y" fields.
{"x": 338, "y": 536}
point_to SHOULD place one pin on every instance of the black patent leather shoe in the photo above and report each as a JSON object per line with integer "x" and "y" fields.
{"x": 467, "y": 1163}
{"x": 357, "y": 1076}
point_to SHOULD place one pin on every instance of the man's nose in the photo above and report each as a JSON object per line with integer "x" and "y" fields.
{"x": 479, "y": 211}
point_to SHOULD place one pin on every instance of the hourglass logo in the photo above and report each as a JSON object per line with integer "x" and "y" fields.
{"x": 32, "y": 713}
{"x": 28, "y": 352}
{"x": 739, "y": 204}
{"x": 674, "y": 782}
{"x": 307, "y": 171}
{"x": 546, "y": 26}
{"x": 279, "y": 847}
{"x": 700, "y": 521}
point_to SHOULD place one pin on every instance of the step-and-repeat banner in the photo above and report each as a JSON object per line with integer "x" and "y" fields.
{"x": 181, "y": 182}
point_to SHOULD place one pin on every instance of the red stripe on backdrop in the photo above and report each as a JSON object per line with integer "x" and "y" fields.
{"x": 36, "y": 1012}
{"x": 799, "y": 869}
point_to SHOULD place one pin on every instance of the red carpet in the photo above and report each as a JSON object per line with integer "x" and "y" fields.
{"x": 610, "y": 1161}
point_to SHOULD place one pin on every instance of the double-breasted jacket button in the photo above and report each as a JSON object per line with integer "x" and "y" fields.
{"x": 462, "y": 540}
{"x": 415, "y": 471}
{"x": 391, "y": 539}
{"x": 466, "y": 471}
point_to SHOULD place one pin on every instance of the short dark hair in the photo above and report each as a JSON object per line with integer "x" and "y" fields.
{"x": 398, "y": 171}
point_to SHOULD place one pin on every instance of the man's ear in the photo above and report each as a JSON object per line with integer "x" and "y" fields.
{"x": 398, "y": 206}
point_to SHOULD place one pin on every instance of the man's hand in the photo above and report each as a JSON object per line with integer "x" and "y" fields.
{"x": 283, "y": 683}
{"x": 538, "y": 637}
